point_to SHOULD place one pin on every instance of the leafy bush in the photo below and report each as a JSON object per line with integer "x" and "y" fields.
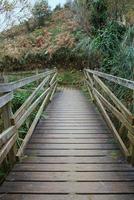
{"x": 73, "y": 78}
{"x": 98, "y": 14}
{"x": 19, "y": 99}
{"x": 41, "y": 12}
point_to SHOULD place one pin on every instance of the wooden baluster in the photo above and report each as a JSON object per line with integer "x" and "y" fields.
{"x": 37, "y": 72}
{"x": 90, "y": 88}
{"x": 5, "y": 162}
{"x": 122, "y": 130}
{"x": 131, "y": 149}
{"x": 131, "y": 139}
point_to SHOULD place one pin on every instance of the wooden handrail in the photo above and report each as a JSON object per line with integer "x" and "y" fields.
{"x": 9, "y": 136}
{"x": 108, "y": 103}
{"x": 120, "y": 81}
{"x": 8, "y": 87}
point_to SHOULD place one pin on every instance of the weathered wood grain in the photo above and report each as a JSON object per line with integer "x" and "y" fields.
{"x": 68, "y": 187}
{"x": 66, "y": 197}
{"x": 121, "y": 81}
{"x": 5, "y": 99}
{"x": 71, "y": 155}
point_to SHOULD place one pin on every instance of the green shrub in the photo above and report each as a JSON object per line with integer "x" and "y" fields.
{"x": 73, "y": 78}
{"x": 41, "y": 12}
{"x": 19, "y": 98}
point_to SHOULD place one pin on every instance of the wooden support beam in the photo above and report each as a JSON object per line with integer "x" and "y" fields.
{"x": 53, "y": 79}
{"x": 115, "y": 100}
{"x": 111, "y": 126}
{"x": 32, "y": 127}
{"x": 115, "y": 112}
{"x": 28, "y": 102}
{"x": 54, "y": 89}
{"x": 31, "y": 108}
{"x": 131, "y": 139}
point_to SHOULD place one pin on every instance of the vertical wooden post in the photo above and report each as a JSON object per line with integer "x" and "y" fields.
{"x": 131, "y": 138}
{"x": 37, "y": 72}
{"x": 88, "y": 78}
{"x": 6, "y": 110}
{"x": 6, "y": 118}
{"x": 122, "y": 130}
{"x": 132, "y": 158}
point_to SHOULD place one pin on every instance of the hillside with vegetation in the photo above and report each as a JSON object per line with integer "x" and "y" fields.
{"x": 95, "y": 34}
{"x": 42, "y": 46}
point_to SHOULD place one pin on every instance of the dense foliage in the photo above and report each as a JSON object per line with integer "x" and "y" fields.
{"x": 107, "y": 40}
{"x": 41, "y": 12}
{"x": 93, "y": 33}
{"x": 51, "y": 44}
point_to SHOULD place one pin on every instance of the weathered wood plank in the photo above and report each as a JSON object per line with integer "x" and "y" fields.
{"x": 77, "y": 160}
{"x": 73, "y": 146}
{"x": 70, "y": 152}
{"x": 73, "y": 135}
{"x": 69, "y": 131}
{"x": 73, "y": 141}
{"x": 65, "y": 187}
{"x": 66, "y": 197}
{"x": 73, "y": 167}
{"x": 72, "y": 126}
{"x": 71, "y": 176}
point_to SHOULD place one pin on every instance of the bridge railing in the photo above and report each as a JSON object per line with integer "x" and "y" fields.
{"x": 110, "y": 105}
{"x": 47, "y": 84}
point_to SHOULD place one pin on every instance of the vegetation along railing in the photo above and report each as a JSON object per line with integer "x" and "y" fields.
{"x": 110, "y": 106}
{"x": 47, "y": 83}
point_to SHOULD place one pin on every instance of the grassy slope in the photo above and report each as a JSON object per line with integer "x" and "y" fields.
{"x": 38, "y": 46}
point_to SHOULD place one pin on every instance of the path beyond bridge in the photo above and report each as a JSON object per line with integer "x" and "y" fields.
{"x": 71, "y": 155}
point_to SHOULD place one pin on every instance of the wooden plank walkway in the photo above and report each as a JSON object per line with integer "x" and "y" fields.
{"x": 71, "y": 156}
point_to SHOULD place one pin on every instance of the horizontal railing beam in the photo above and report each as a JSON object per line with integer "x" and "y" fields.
{"x": 120, "y": 81}
{"x": 8, "y": 87}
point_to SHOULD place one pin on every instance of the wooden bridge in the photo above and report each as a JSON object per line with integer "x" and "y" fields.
{"x": 72, "y": 151}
